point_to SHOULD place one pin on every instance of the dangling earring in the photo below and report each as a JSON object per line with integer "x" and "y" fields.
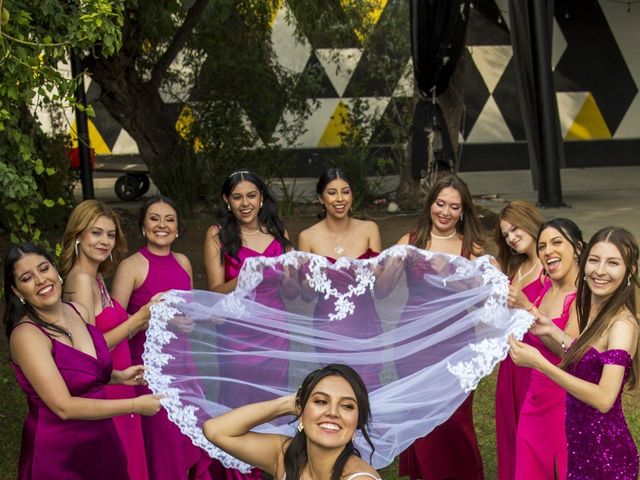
{"x": 462, "y": 217}
{"x": 144, "y": 235}
{"x": 111, "y": 257}
{"x": 61, "y": 280}
{"x": 228, "y": 207}
{"x": 300, "y": 426}
{"x": 75, "y": 247}
{"x": 629, "y": 280}
{"x": 260, "y": 203}
{"x": 177, "y": 234}
{"x": 21, "y": 299}
{"x": 513, "y": 252}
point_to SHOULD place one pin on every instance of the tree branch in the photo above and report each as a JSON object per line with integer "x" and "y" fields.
{"x": 181, "y": 37}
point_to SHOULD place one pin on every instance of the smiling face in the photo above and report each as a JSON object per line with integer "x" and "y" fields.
{"x": 605, "y": 269}
{"x": 446, "y": 209}
{"x": 330, "y": 416}
{"x": 36, "y": 280}
{"x": 337, "y": 198}
{"x": 556, "y": 253}
{"x": 160, "y": 225}
{"x": 97, "y": 241}
{"x": 516, "y": 238}
{"x": 244, "y": 202}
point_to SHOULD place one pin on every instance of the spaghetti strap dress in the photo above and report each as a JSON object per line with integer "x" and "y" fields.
{"x": 600, "y": 444}
{"x": 541, "y": 442}
{"x": 511, "y": 389}
{"x": 268, "y": 294}
{"x": 172, "y": 455}
{"x": 450, "y": 451}
{"x": 365, "y": 309}
{"x": 129, "y": 427}
{"x": 56, "y": 449}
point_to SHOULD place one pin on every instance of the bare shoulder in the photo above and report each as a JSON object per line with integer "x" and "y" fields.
{"x": 78, "y": 278}
{"x": 357, "y": 465}
{"x": 477, "y": 250}
{"x": 81, "y": 310}
{"x": 183, "y": 260}
{"x": 133, "y": 262}
{"x": 366, "y": 225}
{"x": 624, "y": 321}
{"x": 404, "y": 240}
{"x": 27, "y": 335}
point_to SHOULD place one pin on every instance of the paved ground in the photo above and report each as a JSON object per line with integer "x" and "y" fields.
{"x": 595, "y": 197}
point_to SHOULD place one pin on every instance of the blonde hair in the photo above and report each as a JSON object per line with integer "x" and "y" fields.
{"x": 83, "y": 217}
{"x": 521, "y": 215}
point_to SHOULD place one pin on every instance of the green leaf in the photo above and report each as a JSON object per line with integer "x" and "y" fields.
{"x": 39, "y": 167}
{"x": 50, "y": 171}
{"x": 48, "y": 203}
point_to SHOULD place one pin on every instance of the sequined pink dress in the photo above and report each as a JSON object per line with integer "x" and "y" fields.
{"x": 511, "y": 388}
{"x": 129, "y": 427}
{"x": 56, "y": 449}
{"x": 600, "y": 445}
{"x": 541, "y": 443}
{"x": 267, "y": 293}
{"x": 171, "y": 454}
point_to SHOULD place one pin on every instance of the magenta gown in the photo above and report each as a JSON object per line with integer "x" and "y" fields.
{"x": 511, "y": 388}
{"x": 450, "y": 451}
{"x": 267, "y": 293}
{"x": 600, "y": 445}
{"x": 541, "y": 442}
{"x": 171, "y": 454}
{"x": 365, "y": 309}
{"x": 129, "y": 427}
{"x": 56, "y": 449}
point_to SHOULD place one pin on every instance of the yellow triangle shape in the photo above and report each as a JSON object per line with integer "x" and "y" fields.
{"x": 589, "y": 123}
{"x": 373, "y": 11}
{"x": 95, "y": 138}
{"x": 339, "y": 124}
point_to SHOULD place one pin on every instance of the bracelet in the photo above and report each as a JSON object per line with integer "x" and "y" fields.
{"x": 133, "y": 405}
{"x": 562, "y": 344}
{"x": 531, "y": 307}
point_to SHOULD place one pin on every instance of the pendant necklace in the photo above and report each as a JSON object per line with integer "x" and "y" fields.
{"x": 521, "y": 275}
{"x": 339, "y": 248}
{"x": 443, "y": 237}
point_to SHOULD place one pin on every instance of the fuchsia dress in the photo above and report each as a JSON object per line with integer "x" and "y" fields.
{"x": 541, "y": 443}
{"x": 511, "y": 388}
{"x": 268, "y": 294}
{"x": 600, "y": 445}
{"x": 449, "y": 451}
{"x": 56, "y": 449}
{"x": 365, "y": 310}
{"x": 171, "y": 455}
{"x": 128, "y": 426}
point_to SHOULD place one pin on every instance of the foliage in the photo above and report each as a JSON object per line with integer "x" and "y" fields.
{"x": 35, "y": 36}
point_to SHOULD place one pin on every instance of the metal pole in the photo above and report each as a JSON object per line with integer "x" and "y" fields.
{"x": 550, "y": 174}
{"x": 84, "y": 151}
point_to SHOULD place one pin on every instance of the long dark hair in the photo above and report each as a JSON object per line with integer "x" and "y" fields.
{"x": 328, "y": 176}
{"x": 268, "y": 218}
{"x": 295, "y": 457}
{"x": 623, "y": 297}
{"x": 14, "y": 310}
{"x": 468, "y": 226}
{"x": 521, "y": 215}
{"x": 160, "y": 199}
{"x": 569, "y": 230}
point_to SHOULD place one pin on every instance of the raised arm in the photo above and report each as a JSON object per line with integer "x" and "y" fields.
{"x": 390, "y": 273}
{"x": 232, "y": 433}
{"x": 602, "y": 395}
{"x": 31, "y": 351}
{"x": 213, "y": 264}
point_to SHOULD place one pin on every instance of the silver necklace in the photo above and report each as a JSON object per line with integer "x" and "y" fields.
{"x": 443, "y": 237}
{"x": 521, "y": 276}
{"x": 339, "y": 248}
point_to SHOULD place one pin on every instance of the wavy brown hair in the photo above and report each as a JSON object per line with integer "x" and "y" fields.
{"x": 468, "y": 226}
{"x": 83, "y": 217}
{"x": 624, "y": 298}
{"x": 521, "y": 215}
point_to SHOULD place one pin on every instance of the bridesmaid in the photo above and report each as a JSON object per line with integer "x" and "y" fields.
{"x": 249, "y": 227}
{"x": 448, "y": 224}
{"x": 338, "y": 234}
{"x": 541, "y": 445}
{"x": 92, "y": 245}
{"x": 152, "y": 270}
{"x": 598, "y": 363}
{"x": 515, "y": 235}
{"x": 63, "y": 364}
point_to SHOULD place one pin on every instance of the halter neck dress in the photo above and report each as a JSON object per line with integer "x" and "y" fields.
{"x": 56, "y": 449}
{"x": 172, "y": 455}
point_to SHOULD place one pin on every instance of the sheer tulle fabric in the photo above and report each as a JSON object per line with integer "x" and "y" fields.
{"x": 441, "y": 325}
